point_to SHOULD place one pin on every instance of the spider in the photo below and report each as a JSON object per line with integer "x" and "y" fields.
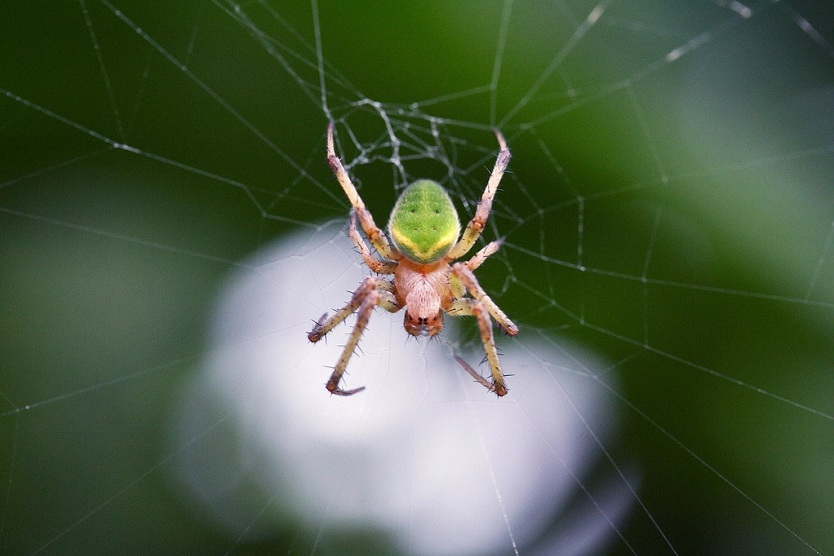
{"x": 423, "y": 229}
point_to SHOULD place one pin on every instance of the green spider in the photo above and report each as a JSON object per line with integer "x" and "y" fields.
{"x": 424, "y": 229}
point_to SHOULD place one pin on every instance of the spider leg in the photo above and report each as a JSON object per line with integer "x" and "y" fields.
{"x": 455, "y": 284}
{"x": 476, "y": 225}
{"x": 461, "y": 271}
{"x": 478, "y": 378}
{"x": 371, "y": 292}
{"x": 366, "y": 220}
{"x": 477, "y": 309}
{"x": 482, "y": 255}
{"x": 386, "y": 300}
{"x": 378, "y": 266}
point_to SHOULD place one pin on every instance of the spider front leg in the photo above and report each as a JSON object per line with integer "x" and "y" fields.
{"x": 371, "y": 292}
{"x": 375, "y": 235}
{"x": 476, "y": 225}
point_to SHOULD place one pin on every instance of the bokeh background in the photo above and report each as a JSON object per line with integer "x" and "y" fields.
{"x": 670, "y": 209}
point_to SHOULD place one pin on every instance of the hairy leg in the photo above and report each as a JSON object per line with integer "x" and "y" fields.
{"x": 477, "y": 309}
{"x": 476, "y": 225}
{"x": 366, "y": 220}
{"x": 482, "y": 255}
{"x": 461, "y": 272}
{"x": 371, "y": 292}
{"x": 378, "y": 266}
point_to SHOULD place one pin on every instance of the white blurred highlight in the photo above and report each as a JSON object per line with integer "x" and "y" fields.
{"x": 424, "y": 455}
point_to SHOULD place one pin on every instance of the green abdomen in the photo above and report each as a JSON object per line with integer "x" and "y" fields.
{"x": 424, "y": 224}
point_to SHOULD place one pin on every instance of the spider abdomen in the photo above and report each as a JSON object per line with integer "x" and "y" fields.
{"x": 424, "y": 224}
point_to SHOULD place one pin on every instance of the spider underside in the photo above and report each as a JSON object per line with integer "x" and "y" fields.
{"x": 420, "y": 259}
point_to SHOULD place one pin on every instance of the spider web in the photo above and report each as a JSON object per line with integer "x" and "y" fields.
{"x": 170, "y": 229}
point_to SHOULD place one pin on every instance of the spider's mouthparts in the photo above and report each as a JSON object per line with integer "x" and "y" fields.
{"x": 418, "y": 331}
{"x": 422, "y": 327}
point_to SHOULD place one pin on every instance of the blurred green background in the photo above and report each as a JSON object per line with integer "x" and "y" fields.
{"x": 670, "y": 204}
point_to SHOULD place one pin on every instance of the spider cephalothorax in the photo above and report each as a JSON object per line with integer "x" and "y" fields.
{"x": 424, "y": 229}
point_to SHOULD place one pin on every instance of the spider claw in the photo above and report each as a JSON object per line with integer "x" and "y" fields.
{"x": 340, "y": 392}
{"x": 333, "y": 387}
{"x": 499, "y": 389}
{"x": 315, "y": 334}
